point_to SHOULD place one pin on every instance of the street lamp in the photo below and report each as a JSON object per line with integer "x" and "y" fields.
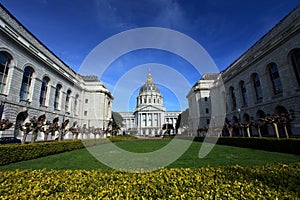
{"x": 239, "y": 112}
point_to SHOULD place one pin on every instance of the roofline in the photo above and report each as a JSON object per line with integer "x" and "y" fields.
{"x": 260, "y": 39}
{"x": 19, "y": 23}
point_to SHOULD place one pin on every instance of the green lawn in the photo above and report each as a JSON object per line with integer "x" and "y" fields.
{"x": 220, "y": 156}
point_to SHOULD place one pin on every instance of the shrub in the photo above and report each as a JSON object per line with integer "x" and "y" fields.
{"x": 264, "y": 182}
{"x": 16, "y": 153}
{"x": 20, "y": 152}
{"x": 283, "y": 145}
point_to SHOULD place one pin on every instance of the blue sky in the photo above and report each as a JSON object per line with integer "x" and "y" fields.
{"x": 73, "y": 29}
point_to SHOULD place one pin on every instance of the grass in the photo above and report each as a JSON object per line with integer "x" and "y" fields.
{"x": 220, "y": 156}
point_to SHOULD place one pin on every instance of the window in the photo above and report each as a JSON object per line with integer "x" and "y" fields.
{"x": 206, "y": 110}
{"x": 205, "y": 98}
{"x": 296, "y": 63}
{"x": 44, "y": 89}
{"x": 257, "y": 86}
{"x": 85, "y": 113}
{"x": 233, "y": 100}
{"x": 67, "y": 105}
{"x": 4, "y": 62}
{"x": 57, "y": 96}
{"x": 207, "y": 121}
{"x": 145, "y": 100}
{"x": 244, "y": 93}
{"x": 275, "y": 78}
{"x": 76, "y": 104}
{"x": 26, "y": 82}
{"x": 86, "y": 100}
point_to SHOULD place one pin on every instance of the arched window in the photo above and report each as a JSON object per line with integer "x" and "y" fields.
{"x": 233, "y": 100}
{"x": 67, "y": 105}
{"x": 76, "y": 104}
{"x": 44, "y": 90}
{"x": 57, "y": 96}
{"x": 257, "y": 86}
{"x": 275, "y": 78}
{"x": 296, "y": 63}
{"x": 244, "y": 93}
{"x": 26, "y": 83}
{"x": 4, "y": 63}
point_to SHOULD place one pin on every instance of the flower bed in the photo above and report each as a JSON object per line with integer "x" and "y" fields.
{"x": 264, "y": 182}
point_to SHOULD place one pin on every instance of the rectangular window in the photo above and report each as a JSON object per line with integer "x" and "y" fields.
{"x": 207, "y": 121}
{"x": 206, "y": 110}
{"x": 85, "y": 113}
{"x": 86, "y": 100}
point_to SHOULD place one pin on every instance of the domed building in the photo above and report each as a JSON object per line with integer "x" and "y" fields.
{"x": 149, "y": 115}
{"x": 149, "y": 112}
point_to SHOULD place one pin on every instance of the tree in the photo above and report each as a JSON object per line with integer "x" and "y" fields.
{"x": 5, "y": 124}
{"x": 168, "y": 128}
{"x": 184, "y": 119}
{"x": 46, "y": 130}
{"x": 26, "y": 129}
{"x": 63, "y": 129}
{"x": 258, "y": 125}
{"x": 274, "y": 120}
{"x": 36, "y": 126}
{"x": 245, "y": 126}
{"x": 75, "y": 131}
{"x": 117, "y": 122}
{"x": 178, "y": 122}
{"x": 229, "y": 127}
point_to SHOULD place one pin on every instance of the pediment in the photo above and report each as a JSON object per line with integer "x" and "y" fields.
{"x": 150, "y": 108}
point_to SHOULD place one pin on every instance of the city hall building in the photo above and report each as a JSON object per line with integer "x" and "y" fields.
{"x": 263, "y": 81}
{"x": 34, "y": 82}
{"x": 149, "y": 116}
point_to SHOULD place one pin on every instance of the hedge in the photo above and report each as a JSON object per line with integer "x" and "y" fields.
{"x": 20, "y": 152}
{"x": 282, "y": 145}
{"x": 264, "y": 182}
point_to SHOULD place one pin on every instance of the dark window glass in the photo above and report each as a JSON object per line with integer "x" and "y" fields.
{"x": 275, "y": 78}
{"x": 244, "y": 93}
{"x": 233, "y": 100}
{"x": 44, "y": 89}
{"x": 296, "y": 64}
{"x": 26, "y": 82}
{"x": 4, "y": 62}
{"x": 257, "y": 86}
{"x": 57, "y": 96}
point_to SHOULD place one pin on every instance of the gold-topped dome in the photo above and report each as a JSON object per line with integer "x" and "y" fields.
{"x": 149, "y": 86}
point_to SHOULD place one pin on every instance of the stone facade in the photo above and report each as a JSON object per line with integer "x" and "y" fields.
{"x": 199, "y": 102}
{"x": 265, "y": 80}
{"x": 149, "y": 115}
{"x": 34, "y": 81}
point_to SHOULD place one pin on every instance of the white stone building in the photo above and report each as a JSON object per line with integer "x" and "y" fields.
{"x": 265, "y": 80}
{"x": 34, "y": 81}
{"x": 149, "y": 115}
{"x": 199, "y": 102}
